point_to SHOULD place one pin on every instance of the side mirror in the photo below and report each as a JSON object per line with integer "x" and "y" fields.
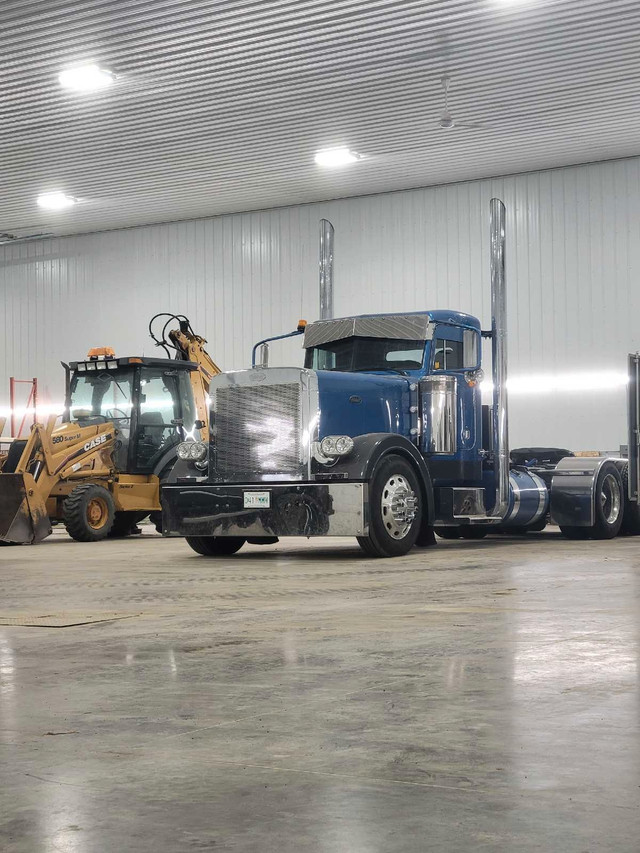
{"x": 199, "y": 424}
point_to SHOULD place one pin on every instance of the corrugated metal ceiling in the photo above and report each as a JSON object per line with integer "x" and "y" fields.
{"x": 220, "y": 106}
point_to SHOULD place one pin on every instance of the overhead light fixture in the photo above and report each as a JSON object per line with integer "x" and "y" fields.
{"x": 56, "y": 201}
{"x": 332, "y": 157}
{"x": 86, "y": 78}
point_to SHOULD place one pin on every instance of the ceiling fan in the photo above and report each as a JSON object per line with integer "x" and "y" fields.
{"x": 447, "y": 121}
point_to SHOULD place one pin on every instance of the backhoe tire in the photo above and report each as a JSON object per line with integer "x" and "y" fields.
{"x": 631, "y": 517}
{"x": 215, "y": 546}
{"x": 395, "y": 509}
{"x": 89, "y": 513}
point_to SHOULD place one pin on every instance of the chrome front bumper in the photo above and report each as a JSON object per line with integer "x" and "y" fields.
{"x": 295, "y": 509}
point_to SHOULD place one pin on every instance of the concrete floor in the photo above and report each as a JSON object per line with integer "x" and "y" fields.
{"x": 479, "y": 696}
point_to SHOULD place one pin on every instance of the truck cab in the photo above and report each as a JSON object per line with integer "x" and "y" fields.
{"x": 415, "y": 375}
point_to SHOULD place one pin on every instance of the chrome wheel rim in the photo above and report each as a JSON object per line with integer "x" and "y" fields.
{"x": 398, "y": 506}
{"x": 610, "y": 499}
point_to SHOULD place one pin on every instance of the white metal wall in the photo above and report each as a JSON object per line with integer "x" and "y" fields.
{"x": 573, "y": 264}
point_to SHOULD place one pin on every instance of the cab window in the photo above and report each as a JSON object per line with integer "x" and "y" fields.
{"x": 447, "y": 355}
{"x": 455, "y": 349}
{"x": 102, "y": 394}
{"x": 364, "y": 354}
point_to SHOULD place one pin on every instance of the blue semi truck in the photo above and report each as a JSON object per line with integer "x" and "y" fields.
{"x": 382, "y": 435}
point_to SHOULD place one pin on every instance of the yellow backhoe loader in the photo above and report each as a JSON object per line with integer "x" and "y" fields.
{"x": 100, "y": 471}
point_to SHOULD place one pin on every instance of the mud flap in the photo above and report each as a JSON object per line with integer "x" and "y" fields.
{"x": 23, "y": 514}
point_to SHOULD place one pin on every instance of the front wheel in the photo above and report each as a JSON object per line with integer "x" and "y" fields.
{"x": 89, "y": 513}
{"x": 215, "y": 546}
{"x": 395, "y": 508}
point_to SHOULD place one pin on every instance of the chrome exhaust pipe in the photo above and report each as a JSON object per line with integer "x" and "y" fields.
{"x": 500, "y": 419}
{"x": 326, "y": 269}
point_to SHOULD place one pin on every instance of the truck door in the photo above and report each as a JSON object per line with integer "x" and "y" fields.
{"x": 455, "y": 352}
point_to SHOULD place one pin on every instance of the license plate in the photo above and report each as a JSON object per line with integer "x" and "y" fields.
{"x": 257, "y": 500}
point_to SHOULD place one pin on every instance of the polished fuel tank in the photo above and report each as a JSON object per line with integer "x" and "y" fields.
{"x": 528, "y": 499}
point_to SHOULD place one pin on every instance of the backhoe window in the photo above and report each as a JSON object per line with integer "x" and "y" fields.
{"x": 165, "y": 397}
{"x": 365, "y": 354}
{"x": 103, "y": 394}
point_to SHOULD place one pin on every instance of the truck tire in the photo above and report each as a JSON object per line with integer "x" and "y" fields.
{"x": 609, "y": 507}
{"x": 395, "y": 509}
{"x": 88, "y": 513}
{"x": 631, "y": 517}
{"x": 448, "y": 532}
{"x": 215, "y": 546}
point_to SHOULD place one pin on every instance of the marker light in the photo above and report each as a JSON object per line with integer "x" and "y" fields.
{"x": 56, "y": 201}
{"x": 86, "y": 78}
{"x": 333, "y": 157}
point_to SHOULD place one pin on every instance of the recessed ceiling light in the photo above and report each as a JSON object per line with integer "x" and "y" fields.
{"x": 86, "y": 78}
{"x": 336, "y": 157}
{"x": 56, "y": 201}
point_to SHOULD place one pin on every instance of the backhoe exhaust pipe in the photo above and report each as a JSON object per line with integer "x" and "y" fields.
{"x": 500, "y": 420}
{"x": 326, "y": 269}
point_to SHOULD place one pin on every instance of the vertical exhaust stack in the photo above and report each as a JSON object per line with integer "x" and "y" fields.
{"x": 500, "y": 422}
{"x": 326, "y": 269}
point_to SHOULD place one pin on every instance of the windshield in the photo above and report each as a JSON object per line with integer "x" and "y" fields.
{"x": 364, "y": 354}
{"x": 104, "y": 394}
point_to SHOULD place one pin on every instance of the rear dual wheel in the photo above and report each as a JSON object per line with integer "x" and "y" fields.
{"x": 609, "y": 509}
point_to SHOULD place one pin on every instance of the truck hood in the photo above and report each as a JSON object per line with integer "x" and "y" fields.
{"x": 359, "y": 403}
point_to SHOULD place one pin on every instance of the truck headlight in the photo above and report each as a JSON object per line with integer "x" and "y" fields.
{"x": 196, "y": 451}
{"x": 336, "y": 445}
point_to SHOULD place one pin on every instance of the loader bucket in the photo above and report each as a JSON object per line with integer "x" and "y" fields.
{"x": 23, "y": 515}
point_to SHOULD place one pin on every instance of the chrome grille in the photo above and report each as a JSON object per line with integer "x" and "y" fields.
{"x": 257, "y": 430}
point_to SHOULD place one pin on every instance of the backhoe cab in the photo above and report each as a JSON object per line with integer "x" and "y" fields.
{"x": 99, "y": 472}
